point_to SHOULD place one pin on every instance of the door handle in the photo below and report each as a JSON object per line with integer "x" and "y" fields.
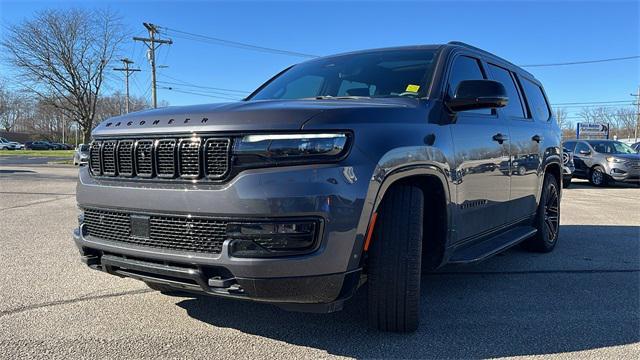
{"x": 500, "y": 138}
{"x": 537, "y": 138}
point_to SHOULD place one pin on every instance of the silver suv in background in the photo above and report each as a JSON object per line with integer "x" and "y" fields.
{"x": 604, "y": 161}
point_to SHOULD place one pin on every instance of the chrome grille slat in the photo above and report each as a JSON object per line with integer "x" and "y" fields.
{"x": 125, "y": 157}
{"x": 189, "y": 158}
{"x": 181, "y": 233}
{"x": 95, "y": 164}
{"x": 168, "y": 158}
{"x": 109, "y": 157}
{"x": 144, "y": 158}
{"x": 217, "y": 158}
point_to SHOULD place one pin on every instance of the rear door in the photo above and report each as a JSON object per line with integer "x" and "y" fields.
{"x": 526, "y": 135}
{"x": 481, "y": 149}
{"x": 581, "y": 161}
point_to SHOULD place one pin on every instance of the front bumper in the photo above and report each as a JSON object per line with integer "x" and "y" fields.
{"x": 321, "y": 279}
{"x": 622, "y": 173}
{"x": 324, "y": 293}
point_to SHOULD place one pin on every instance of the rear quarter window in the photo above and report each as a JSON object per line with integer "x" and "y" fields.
{"x": 536, "y": 100}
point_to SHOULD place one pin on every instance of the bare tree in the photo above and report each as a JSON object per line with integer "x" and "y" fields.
{"x": 13, "y": 107}
{"x": 561, "y": 117}
{"x": 61, "y": 57}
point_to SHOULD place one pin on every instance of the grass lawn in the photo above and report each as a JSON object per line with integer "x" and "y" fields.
{"x": 38, "y": 153}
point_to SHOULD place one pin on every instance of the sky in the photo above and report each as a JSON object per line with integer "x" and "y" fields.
{"x": 523, "y": 32}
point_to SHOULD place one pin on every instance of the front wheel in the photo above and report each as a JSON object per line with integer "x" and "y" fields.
{"x": 598, "y": 177}
{"x": 547, "y": 220}
{"x": 394, "y": 262}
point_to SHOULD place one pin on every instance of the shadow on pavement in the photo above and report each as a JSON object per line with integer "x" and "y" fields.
{"x": 470, "y": 314}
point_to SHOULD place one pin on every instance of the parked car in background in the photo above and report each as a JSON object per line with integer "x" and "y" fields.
{"x": 7, "y": 145}
{"x": 37, "y": 145}
{"x": 604, "y": 161}
{"x": 81, "y": 155}
{"x": 568, "y": 167}
{"x": 56, "y": 146}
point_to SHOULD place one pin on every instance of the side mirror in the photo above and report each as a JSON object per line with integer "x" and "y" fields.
{"x": 478, "y": 94}
{"x": 585, "y": 152}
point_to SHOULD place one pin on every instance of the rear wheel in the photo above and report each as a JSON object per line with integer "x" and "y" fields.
{"x": 394, "y": 261}
{"x": 598, "y": 177}
{"x": 547, "y": 220}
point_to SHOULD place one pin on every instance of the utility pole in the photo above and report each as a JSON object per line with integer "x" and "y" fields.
{"x": 127, "y": 72}
{"x": 153, "y": 43}
{"x": 637, "y": 96}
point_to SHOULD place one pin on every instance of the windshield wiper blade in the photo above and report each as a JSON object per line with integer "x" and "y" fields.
{"x": 329, "y": 97}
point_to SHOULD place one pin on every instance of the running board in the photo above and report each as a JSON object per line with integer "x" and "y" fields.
{"x": 482, "y": 250}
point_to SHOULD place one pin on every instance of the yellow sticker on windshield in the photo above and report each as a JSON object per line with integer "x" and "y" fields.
{"x": 412, "y": 88}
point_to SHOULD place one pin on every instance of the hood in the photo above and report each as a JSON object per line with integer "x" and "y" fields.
{"x": 625, "y": 156}
{"x": 238, "y": 116}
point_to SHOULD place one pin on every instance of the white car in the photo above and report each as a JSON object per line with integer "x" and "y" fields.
{"x": 8, "y": 145}
{"x": 81, "y": 155}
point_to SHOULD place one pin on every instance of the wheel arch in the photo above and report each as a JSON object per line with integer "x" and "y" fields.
{"x": 437, "y": 199}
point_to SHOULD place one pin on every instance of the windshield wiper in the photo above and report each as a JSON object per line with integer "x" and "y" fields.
{"x": 329, "y": 97}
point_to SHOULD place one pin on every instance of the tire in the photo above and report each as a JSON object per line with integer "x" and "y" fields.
{"x": 394, "y": 262}
{"x": 597, "y": 176}
{"x": 566, "y": 182}
{"x": 522, "y": 170}
{"x": 547, "y": 220}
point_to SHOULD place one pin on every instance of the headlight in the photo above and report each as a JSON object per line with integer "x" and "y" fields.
{"x": 275, "y": 149}
{"x": 614, "y": 159}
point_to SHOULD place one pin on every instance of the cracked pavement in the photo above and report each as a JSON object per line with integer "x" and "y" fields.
{"x": 581, "y": 301}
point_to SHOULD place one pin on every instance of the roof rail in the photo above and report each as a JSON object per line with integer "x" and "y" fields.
{"x": 460, "y": 43}
{"x": 463, "y": 44}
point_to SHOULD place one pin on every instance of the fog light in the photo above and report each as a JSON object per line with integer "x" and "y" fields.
{"x": 271, "y": 239}
{"x": 618, "y": 171}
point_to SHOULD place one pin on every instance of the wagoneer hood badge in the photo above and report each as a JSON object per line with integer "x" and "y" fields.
{"x": 238, "y": 116}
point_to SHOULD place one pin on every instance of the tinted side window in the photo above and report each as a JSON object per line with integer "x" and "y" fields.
{"x": 581, "y": 146}
{"x": 535, "y": 98}
{"x": 514, "y": 108}
{"x": 465, "y": 68}
{"x": 570, "y": 145}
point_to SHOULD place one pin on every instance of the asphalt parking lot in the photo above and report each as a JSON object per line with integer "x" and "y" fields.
{"x": 581, "y": 301}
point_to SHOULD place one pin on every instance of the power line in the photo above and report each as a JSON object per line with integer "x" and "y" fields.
{"x": 218, "y": 41}
{"x": 592, "y": 102}
{"x": 201, "y": 89}
{"x": 182, "y": 82}
{"x": 199, "y": 94}
{"x": 583, "y": 62}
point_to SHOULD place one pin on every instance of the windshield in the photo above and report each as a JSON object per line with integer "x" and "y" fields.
{"x": 611, "y": 147}
{"x": 389, "y": 73}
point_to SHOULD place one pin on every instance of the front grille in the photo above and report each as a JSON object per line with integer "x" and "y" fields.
{"x": 95, "y": 158}
{"x": 125, "y": 157}
{"x": 109, "y": 158}
{"x": 632, "y": 164}
{"x": 166, "y": 158}
{"x": 188, "y": 158}
{"x": 181, "y": 233}
{"x": 144, "y": 158}
{"x": 217, "y": 159}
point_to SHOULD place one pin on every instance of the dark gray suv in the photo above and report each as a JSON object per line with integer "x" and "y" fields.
{"x": 366, "y": 167}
